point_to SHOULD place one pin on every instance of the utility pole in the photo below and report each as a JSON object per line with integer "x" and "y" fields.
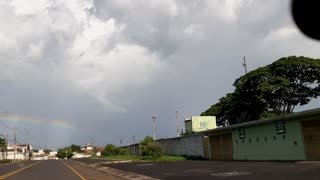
{"x": 134, "y": 147}
{"x": 154, "y": 126}
{"x": 14, "y": 144}
{"x": 139, "y": 146}
{"x": 178, "y": 124}
{"x": 91, "y": 141}
{"x": 244, "y": 64}
{"x": 7, "y": 141}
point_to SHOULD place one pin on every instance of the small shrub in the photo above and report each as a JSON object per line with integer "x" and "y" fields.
{"x": 124, "y": 151}
{"x": 110, "y": 150}
{"x": 150, "y": 148}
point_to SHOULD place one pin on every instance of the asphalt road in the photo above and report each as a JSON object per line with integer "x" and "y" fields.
{"x": 227, "y": 170}
{"x": 50, "y": 170}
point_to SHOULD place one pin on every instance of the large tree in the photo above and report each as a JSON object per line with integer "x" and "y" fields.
{"x": 75, "y": 148}
{"x": 3, "y": 143}
{"x": 3, "y": 146}
{"x": 284, "y": 84}
{"x": 271, "y": 90}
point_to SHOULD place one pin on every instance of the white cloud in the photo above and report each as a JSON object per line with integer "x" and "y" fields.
{"x": 101, "y": 64}
{"x": 30, "y": 7}
{"x": 104, "y": 75}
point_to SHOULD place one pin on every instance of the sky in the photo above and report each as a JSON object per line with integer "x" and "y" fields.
{"x": 82, "y": 71}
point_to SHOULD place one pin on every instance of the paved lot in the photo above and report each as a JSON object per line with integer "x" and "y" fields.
{"x": 224, "y": 170}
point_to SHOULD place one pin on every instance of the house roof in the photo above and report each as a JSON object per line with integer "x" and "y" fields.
{"x": 305, "y": 114}
{"x": 87, "y": 145}
{"x": 187, "y": 119}
{"x": 100, "y": 149}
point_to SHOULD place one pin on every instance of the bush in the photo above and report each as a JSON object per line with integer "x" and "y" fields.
{"x": 5, "y": 161}
{"x": 110, "y": 150}
{"x": 124, "y": 151}
{"x": 64, "y": 153}
{"x": 150, "y": 148}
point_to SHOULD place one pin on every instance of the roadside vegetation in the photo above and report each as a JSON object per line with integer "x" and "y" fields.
{"x": 68, "y": 152}
{"x": 150, "y": 151}
{"x": 5, "y": 161}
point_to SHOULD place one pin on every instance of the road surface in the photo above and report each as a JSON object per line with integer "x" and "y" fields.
{"x": 225, "y": 170}
{"x": 220, "y": 170}
{"x": 51, "y": 170}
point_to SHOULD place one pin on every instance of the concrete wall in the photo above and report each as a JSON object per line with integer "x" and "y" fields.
{"x": 10, "y": 155}
{"x": 187, "y": 145}
{"x": 274, "y": 147}
{"x": 191, "y": 145}
{"x": 188, "y": 126}
{"x": 134, "y": 149}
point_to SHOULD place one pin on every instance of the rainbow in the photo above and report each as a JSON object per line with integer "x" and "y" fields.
{"x": 33, "y": 120}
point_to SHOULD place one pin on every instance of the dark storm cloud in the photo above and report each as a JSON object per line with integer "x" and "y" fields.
{"x": 108, "y": 66}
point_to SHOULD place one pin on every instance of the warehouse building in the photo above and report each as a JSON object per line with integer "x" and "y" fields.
{"x": 291, "y": 137}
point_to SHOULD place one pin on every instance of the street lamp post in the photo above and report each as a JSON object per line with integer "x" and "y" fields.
{"x": 154, "y": 126}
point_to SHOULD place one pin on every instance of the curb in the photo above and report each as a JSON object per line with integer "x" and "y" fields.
{"x": 309, "y": 162}
{"x": 117, "y": 172}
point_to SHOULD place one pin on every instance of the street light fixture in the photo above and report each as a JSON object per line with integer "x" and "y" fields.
{"x": 154, "y": 126}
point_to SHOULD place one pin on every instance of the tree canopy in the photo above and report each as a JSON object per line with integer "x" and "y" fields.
{"x": 270, "y": 91}
{"x": 110, "y": 150}
{"x": 68, "y": 152}
{"x": 47, "y": 151}
{"x": 3, "y": 144}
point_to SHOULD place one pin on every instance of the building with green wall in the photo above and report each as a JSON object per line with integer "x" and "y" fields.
{"x": 200, "y": 123}
{"x": 291, "y": 137}
{"x": 263, "y": 142}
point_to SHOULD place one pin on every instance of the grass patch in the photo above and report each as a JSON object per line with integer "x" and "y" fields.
{"x": 115, "y": 158}
{"x": 5, "y": 161}
{"x": 144, "y": 158}
{"x": 165, "y": 158}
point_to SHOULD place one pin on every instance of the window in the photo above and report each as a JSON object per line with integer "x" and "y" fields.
{"x": 249, "y": 140}
{"x": 284, "y": 137}
{"x": 280, "y": 127}
{"x": 257, "y": 139}
{"x": 274, "y": 138}
{"x": 203, "y": 125}
{"x": 265, "y": 139}
{"x": 242, "y": 133}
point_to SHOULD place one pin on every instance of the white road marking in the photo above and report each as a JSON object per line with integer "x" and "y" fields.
{"x": 145, "y": 164}
{"x": 227, "y": 174}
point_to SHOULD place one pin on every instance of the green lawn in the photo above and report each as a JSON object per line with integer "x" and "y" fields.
{"x": 5, "y": 161}
{"x": 137, "y": 158}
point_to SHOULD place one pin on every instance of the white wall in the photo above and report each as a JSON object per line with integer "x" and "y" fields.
{"x": 53, "y": 153}
{"x": 80, "y": 155}
{"x": 10, "y": 155}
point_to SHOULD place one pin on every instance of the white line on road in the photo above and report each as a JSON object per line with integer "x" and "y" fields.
{"x": 227, "y": 174}
{"x": 144, "y": 164}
